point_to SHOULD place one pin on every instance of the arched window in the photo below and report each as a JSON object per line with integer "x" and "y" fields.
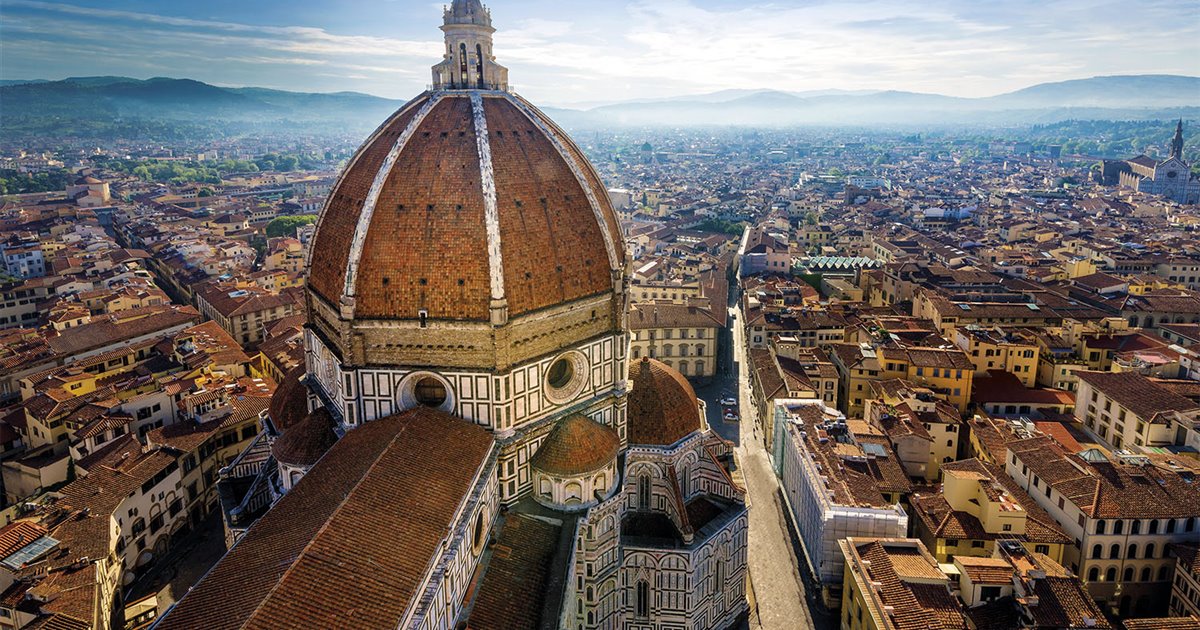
{"x": 1132, "y": 553}
{"x": 1097, "y": 551}
{"x": 644, "y": 492}
{"x": 479, "y": 58}
{"x": 1135, "y": 528}
{"x": 546, "y": 488}
{"x": 1111, "y": 574}
{"x": 1093, "y": 574}
{"x": 668, "y": 350}
{"x": 1114, "y": 551}
{"x": 574, "y": 492}
{"x": 1164, "y": 573}
{"x": 1146, "y": 574}
{"x": 1128, "y": 576}
{"x": 643, "y": 598}
{"x": 1118, "y": 527}
{"x": 1100, "y": 527}
{"x": 1170, "y": 526}
{"x": 463, "y": 79}
{"x": 1154, "y": 526}
{"x": 718, "y": 580}
{"x": 1191, "y": 524}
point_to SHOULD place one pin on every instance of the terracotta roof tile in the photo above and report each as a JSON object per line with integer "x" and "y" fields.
{"x": 348, "y": 546}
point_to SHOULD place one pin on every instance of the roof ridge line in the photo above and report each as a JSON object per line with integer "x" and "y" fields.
{"x": 491, "y": 211}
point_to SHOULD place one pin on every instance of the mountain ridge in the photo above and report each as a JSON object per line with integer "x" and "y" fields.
{"x": 38, "y": 106}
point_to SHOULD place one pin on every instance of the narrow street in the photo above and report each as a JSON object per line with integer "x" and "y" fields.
{"x": 779, "y": 598}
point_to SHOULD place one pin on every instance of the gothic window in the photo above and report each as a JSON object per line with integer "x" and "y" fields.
{"x": 643, "y": 598}
{"x": 644, "y": 492}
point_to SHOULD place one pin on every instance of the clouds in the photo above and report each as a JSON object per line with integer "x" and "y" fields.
{"x": 574, "y": 51}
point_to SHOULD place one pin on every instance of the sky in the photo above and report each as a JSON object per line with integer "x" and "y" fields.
{"x": 585, "y": 52}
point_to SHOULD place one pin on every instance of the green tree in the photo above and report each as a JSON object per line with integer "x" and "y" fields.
{"x": 286, "y": 226}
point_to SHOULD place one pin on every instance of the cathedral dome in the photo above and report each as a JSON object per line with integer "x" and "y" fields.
{"x": 662, "y": 406}
{"x": 462, "y": 203}
{"x": 577, "y": 445}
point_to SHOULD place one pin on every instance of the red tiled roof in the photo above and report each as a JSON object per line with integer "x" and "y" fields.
{"x": 350, "y": 544}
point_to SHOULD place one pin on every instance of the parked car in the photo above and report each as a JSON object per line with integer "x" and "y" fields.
{"x": 728, "y": 400}
{"x": 731, "y": 416}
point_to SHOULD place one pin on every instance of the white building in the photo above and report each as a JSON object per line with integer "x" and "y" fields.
{"x": 820, "y": 463}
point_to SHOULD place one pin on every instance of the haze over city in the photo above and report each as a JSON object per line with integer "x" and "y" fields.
{"x": 579, "y": 52}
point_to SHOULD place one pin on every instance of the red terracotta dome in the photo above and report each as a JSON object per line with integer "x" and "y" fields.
{"x": 577, "y": 445}
{"x": 662, "y": 406}
{"x": 289, "y": 403}
{"x": 461, "y": 200}
{"x": 303, "y": 443}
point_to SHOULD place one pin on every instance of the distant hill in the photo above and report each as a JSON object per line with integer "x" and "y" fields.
{"x": 107, "y": 105}
{"x": 166, "y": 108}
{"x": 1114, "y": 97}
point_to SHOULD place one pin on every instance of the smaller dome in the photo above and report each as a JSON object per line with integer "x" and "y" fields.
{"x": 662, "y": 406}
{"x": 289, "y": 403}
{"x": 303, "y": 443}
{"x": 577, "y": 445}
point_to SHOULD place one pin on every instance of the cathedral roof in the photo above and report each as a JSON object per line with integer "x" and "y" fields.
{"x": 662, "y": 406}
{"x": 349, "y": 546}
{"x": 463, "y": 199}
{"x": 303, "y": 443}
{"x": 289, "y": 403}
{"x": 577, "y": 445}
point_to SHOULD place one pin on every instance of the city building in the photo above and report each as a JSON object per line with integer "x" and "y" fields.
{"x": 829, "y": 480}
{"x": 1123, "y": 511}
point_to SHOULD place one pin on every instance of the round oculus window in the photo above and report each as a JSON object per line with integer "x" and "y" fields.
{"x": 560, "y": 373}
{"x": 430, "y": 392}
{"x": 425, "y": 389}
{"x": 566, "y": 376}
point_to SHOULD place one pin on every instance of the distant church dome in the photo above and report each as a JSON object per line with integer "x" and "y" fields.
{"x": 662, "y": 406}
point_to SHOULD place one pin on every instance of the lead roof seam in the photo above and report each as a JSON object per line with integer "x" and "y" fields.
{"x": 487, "y": 181}
{"x": 368, "y": 209}
{"x": 580, "y": 176}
